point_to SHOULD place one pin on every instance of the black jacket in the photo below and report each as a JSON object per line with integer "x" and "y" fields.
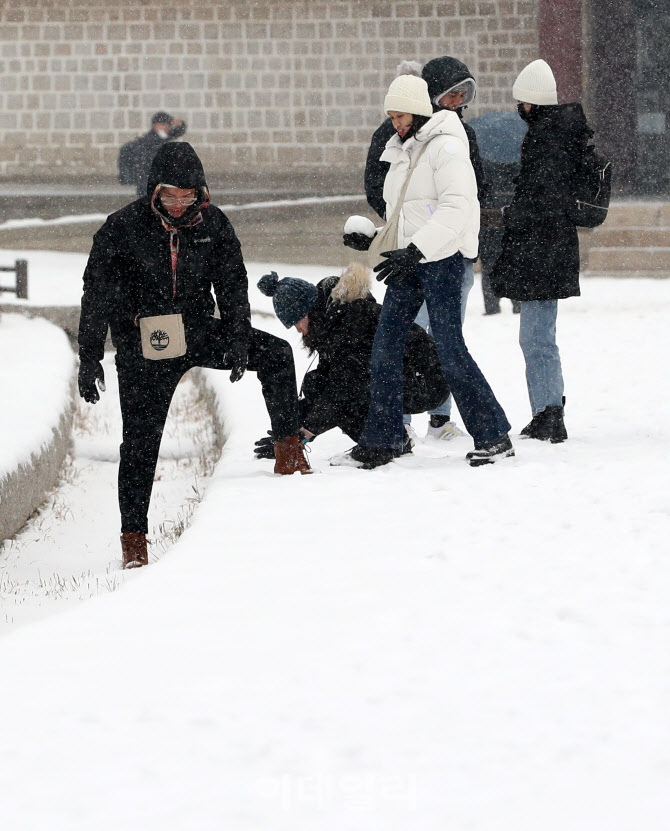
{"x": 342, "y": 333}
{"x": 440, "y": 74}
{"x": 136, "y": 156}
{"x": 129, "y": 270}
{"x": 539, "y": 259}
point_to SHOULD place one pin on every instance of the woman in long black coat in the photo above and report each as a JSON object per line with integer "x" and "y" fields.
{"x": 338, "y": 319}
{"x": 539, "y": 260}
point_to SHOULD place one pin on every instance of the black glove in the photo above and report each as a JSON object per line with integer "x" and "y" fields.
{"x": 359, "y": 242}
{"x": 237, "y": 355}
{"x": 264, "y": 448}
{"x": 398, "y": 264}
{"x": 89, "y": 373}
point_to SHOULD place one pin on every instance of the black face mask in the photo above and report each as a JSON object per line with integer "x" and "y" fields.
{"x": 530, "y": 115}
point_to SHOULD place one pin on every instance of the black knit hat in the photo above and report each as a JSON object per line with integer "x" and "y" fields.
{"x": 292, "y": 297}
{"x": 161, "y": 117}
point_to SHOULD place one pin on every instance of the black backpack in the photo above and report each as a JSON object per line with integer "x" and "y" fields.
{"x": 593, "y": 187}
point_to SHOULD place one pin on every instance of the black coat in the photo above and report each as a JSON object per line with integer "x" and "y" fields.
{"x": 342, "y": 333}
{"x": 501, "y": 178}
{"x": 136, "y": 157}
{"x": 129, "y": 270}
{"x": 539, "y": 258}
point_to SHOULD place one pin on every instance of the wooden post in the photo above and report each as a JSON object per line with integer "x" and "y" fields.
{"x": 21, "y": 279}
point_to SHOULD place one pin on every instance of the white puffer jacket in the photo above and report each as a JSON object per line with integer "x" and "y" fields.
{"x": 440, "y": 213}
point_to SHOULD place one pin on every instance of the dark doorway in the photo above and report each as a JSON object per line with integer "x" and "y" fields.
{"x": 652, "y": 96}
{"x": 628, "y": 91}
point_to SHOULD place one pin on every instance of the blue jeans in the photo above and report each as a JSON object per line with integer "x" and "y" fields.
{"x": 439, "y": 283}
{"x": 423, "y": 321}
{"x": 537, "y": 338}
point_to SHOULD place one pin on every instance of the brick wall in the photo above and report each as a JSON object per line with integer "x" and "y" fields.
{"x": 266, "y": 83}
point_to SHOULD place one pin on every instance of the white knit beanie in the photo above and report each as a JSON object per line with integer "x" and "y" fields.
{"x": 408, "y": 94}
{"x": 536, "y": 84}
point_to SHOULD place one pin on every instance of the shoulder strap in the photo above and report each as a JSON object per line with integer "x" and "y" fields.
{"x": 401, "y": 196}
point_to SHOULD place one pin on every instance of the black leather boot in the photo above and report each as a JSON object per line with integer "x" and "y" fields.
{"x": 533, "y": 426}
{"x": 553, "y": 426}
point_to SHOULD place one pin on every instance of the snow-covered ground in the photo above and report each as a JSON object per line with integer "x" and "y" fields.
{"x": 423, "y": 646}
{"x": 70, "y": 550}
{"x": 36, "y": 366}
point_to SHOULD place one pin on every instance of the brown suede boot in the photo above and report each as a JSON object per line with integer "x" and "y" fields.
{"x": 290, "y": 457}
{"x": 134, "y": 547}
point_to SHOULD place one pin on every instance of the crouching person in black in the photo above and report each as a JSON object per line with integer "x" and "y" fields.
{"x": 149, "y": 278}
{"x": 337, "y": 319}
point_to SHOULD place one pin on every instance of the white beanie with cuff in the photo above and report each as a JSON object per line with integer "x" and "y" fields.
{"x": 408, "y": 94}
{"x": 536, "y": 84}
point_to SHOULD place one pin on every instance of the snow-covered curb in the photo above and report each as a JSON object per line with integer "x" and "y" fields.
{"x": 37, "y": 376}
{"x": 208, "y": 392}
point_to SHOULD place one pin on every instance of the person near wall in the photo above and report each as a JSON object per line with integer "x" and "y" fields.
{"x": 438, "y": 224}
{"x": 452, "y": 87}
{"x": 338, "y": 319}
{"x": 136, "y": 156}
{"x": 500, "y": 136}
{"x": 539, "y": 261}
{"x": 150, "y": 277}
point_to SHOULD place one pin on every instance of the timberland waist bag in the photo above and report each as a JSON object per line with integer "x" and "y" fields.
{"x": 162, "y": 337}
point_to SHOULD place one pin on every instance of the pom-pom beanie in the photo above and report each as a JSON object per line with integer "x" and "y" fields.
{"x": 292, "y": 298}
{"x": 408, "y": 94}
{"x": 536, "y": 84}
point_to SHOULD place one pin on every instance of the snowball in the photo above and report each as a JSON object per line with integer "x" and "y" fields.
{"x": 360, "y": 225}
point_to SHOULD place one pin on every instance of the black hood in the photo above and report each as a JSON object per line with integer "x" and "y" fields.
{"x": 177, "y": 164}
{"x": 443, "y": 73}
{"x": 566, "y": 121}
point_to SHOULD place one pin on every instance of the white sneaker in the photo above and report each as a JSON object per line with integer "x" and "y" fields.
{"x": 411, "y": 439}
{"x": 446, "y": 432}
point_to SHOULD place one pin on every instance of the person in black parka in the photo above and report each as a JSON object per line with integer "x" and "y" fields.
{"x": 136, "y": 156}
{"x": 338, "y": 319}
{"x": 164, "y": 255}
{"x": 539, "y": 259}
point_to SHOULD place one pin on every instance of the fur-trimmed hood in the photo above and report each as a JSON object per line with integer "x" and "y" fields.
{"x": 352, "y": 284}
{"x": 342, "y": 305}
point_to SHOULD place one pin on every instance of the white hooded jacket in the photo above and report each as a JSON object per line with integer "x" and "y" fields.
{"x": 440, "y": 213}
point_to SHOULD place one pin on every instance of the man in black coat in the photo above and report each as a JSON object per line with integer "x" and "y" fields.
{"x": 338, "y": 319}
{"x": 136, "y": 156}
{"x": 539, "y": 260}
{"x": 162, "y": 255}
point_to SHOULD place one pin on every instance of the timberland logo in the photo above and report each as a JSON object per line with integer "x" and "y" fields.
{"x": 203, "y": 239}
{"x": 159, "y": 340}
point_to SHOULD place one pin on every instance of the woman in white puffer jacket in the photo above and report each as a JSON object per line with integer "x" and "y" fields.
{"x": 440, "y": 212}
{"x": 438, "y": 226}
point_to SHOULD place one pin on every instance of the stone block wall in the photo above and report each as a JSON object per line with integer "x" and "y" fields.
{"x": 264, "y": 84}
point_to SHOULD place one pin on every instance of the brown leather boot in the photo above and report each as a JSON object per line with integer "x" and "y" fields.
{"x": 290, "y": 457}
{"x": 134, "y": 548}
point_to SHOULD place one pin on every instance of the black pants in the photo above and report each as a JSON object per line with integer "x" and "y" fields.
{"x": 422, "y": 391}
{"x": 350, "y": 419}
{"x": 146, "y": 389}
